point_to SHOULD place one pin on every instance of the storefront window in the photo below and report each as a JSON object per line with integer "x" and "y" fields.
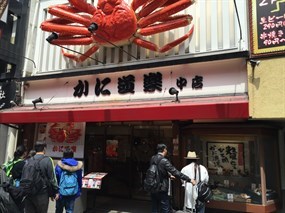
{"x": 232, "y": 166}
{"x": 240, "y": 167}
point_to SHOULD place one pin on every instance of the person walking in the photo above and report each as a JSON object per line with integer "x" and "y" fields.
{"x": 69, "y": 176}
{"x": 160, "y": 199}
{"x": 38, "y": 203}
{"x": 14, "y": 168}
{"x": 32, "y": 153}
{"x": 199, "y": 173}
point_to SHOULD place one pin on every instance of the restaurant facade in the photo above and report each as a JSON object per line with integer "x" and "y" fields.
{"x": 197, "y": 97}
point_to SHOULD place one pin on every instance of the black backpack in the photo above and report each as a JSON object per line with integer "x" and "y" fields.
{"x": 31, "y": 183}
{"x": 7, "y": 204}
{"x": 152, "y": 182}
{"x": 204, "y": 191}
{"x": 32, "y": 180}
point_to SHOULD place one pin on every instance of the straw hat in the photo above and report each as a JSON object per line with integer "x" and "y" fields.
{"x": 191, "y": 155}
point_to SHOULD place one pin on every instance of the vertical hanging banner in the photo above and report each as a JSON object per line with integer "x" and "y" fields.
{"x": 62, "y": 136}
{"x": 7, "y": 94}
{"x": 267, "y": 27}
{"x": 3, "y": 10}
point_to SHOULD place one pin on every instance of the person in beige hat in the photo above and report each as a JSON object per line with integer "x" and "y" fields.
{"x": 199, "y": 173}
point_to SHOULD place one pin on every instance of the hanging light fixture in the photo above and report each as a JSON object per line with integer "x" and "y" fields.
{"x": 173, "y": 91}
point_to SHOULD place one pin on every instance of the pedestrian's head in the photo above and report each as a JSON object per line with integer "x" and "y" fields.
{"x": 40, "y": 146}
{"x": 32, "y": 153}
{"x": 68, "y": 153}
{"x": 161, "y": 148}
{"x": 21, "y": 151}
{"x": 191, "y": 157}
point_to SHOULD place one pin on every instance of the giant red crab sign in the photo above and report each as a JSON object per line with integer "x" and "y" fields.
{"x": 114, "y": 22}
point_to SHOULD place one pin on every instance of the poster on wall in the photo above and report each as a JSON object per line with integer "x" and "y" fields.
{"x": 267, "y": 27}
{"x": 112, "y": 148}
{"x": 225, "y": 158}
{"x": 62, "y": 136}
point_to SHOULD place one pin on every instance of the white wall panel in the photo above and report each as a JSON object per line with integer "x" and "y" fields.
{"x": 216, "y": 31}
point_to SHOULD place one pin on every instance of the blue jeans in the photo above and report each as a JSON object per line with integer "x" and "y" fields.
{"x": 160, "y": 203}
{"x": 65, "y": 202}
{"x": 201, "y": 209}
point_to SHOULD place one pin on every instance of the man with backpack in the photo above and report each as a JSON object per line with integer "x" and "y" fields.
{"x": 159, "y": 196}
{"x": 38, "y": 181}
{"x": 69, "y": 176}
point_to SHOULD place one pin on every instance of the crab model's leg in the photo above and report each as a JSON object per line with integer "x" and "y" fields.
{"x": 137, "y": 3}
{"x": 164, "y": 13}
{"x": 150, "y": 7}
{"x": 165, "y": 48}
{"x": 83, "y": 57}
{"x": 168, "y": 24}
{"x": 49, "y": 26}
{"x": 83, "y": 6}
{"x": 69, "y": 14}
{"x": 70, "y": 34}
{"x": 64, "y": 39}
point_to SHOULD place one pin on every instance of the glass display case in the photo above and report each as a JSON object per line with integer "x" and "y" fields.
{"x": 243, "y": 168}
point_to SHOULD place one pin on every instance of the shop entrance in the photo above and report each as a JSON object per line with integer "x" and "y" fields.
{"x": 123, "y": 150}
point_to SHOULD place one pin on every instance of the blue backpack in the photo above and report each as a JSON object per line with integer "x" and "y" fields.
{"x": 68, "y": 184}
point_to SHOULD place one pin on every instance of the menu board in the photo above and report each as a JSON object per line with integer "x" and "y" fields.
{"x": 93, "y": 180}
{"x": 267, "y": 27}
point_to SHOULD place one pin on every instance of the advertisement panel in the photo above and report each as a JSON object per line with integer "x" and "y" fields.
{"x": 62, "y": 136}
{"x": 267, "y": 27}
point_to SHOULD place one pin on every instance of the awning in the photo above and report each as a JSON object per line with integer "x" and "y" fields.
{"x": 230, "y": 107}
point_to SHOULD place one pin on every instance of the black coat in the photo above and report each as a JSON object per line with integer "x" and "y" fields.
{"x": 165, "y": 168}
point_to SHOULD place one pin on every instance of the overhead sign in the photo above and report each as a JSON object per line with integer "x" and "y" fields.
{"x": 267, "y": 27}
{"x": 7, "y": 94}
{"x": 190, "y": 80}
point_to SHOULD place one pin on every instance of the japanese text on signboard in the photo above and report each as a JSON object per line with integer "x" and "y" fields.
{"x": 126, "y": 84}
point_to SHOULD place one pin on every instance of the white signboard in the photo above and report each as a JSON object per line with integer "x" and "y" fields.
{"x": 62, "y": 136}
{"x": 214, "y": 78}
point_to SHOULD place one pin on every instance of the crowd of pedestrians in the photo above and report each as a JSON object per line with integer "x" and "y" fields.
{"x": 27, "y": 171}
{"x": 34, "y": 181}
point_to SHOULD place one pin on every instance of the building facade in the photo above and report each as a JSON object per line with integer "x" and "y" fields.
{"x": 114, "y": 107}
{"x": 13, "y": 19}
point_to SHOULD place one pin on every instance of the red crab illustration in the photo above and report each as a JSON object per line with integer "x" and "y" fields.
{"x": 67, "y": 133}
{"x": 114, "y": 22}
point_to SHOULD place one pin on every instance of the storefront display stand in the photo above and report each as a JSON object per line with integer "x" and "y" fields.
{"x": 243, "y": 207}
{"x": 91, "y": 183}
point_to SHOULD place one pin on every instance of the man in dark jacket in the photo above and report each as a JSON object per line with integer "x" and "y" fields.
{"x": 69, "y": 164}
{"x": 160, "y": 200}
{"x": 39, "y": 202}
